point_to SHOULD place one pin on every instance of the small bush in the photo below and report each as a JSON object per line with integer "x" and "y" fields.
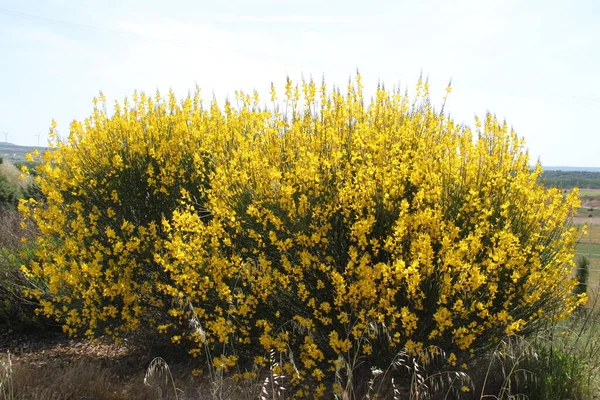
{"x": 568, "y": 362}
{"x": 8, "y": 194}
{"x": 560, "y": 376}
{"x": 582, "y": 274}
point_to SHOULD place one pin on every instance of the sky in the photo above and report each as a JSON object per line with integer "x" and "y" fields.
{"x": 534, "y": 63}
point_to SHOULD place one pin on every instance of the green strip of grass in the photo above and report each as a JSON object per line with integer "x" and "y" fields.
{"x": 589, "y": 193}
{"x": 589, "y": 250}
{"x": 585, "y": 212}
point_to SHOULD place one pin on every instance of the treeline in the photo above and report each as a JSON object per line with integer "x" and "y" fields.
{"x": 571, "y": 179}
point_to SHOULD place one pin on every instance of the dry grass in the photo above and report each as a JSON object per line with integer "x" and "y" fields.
{"x": 11, "y": 232}
{"x": 513, "y": 369}
{"x": 77, "y": 380}
{"x": 589, "y": 192}
{"x": 50, "y": 366}
{"x": 12, "y": 175}
{"x": 88, "y": 379}
{"x": 592, "y": 235}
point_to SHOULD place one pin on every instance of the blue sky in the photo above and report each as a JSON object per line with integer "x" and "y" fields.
{"x": 535, "y": 63}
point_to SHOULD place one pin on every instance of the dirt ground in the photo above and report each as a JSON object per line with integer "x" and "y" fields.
{"x": 586, "y": 220}
{"x": 50, "y": 347}
{"x": 590, "y": 202}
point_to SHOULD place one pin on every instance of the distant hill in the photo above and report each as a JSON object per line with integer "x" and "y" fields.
{"x": 15, "y": 153}
{"x": 570, "y": 179}
{"x": 580, "y": 169}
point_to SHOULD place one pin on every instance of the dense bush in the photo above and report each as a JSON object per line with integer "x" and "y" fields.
{"x": 17, "y": 312}
{"x": 324, "y": 227}
{"x": 8, "y": 195}
{"x": 108, "y": 189}
{"x": 582, "y": 274}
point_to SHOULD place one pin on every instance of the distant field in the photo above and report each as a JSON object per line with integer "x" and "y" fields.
{"x": 590, "y": 250}
{"x": 589, "y": 192}
{"x": 589, "y": 246}
{"x": 585, "y": 212}
{"x": 571, "y": 179}
{"x": 593, "y": 232}
{"x": 594, "y": 277}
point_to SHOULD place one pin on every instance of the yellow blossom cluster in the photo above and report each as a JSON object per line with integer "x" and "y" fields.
{"x": 319, "y": 225}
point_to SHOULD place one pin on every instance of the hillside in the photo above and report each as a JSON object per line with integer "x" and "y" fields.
{"x": 15, "y": 153}
{"x": 572, "y": 169}
{"x": 570, "y": 179}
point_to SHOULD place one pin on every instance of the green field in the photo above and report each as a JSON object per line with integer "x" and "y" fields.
{"x": 590, "y": 250}
{"x": 589, "y": 192}
{"x": 594, "y": 276}
{"x": 585, "y": 212}
{"x": 589, "y": 246}
{"x": 592, "y": 236}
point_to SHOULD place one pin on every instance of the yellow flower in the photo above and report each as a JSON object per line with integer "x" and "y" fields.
{"x": 452, "y": 359}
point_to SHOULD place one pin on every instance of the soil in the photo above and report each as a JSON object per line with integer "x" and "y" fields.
{"x": 590, "y": 202}
{"x": 53, "y": 348}
{"x": 586, "y": 220}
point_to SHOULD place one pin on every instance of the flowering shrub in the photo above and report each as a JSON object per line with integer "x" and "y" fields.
{"x": 322, "y": 226}
{"x": 108, "y": 187}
